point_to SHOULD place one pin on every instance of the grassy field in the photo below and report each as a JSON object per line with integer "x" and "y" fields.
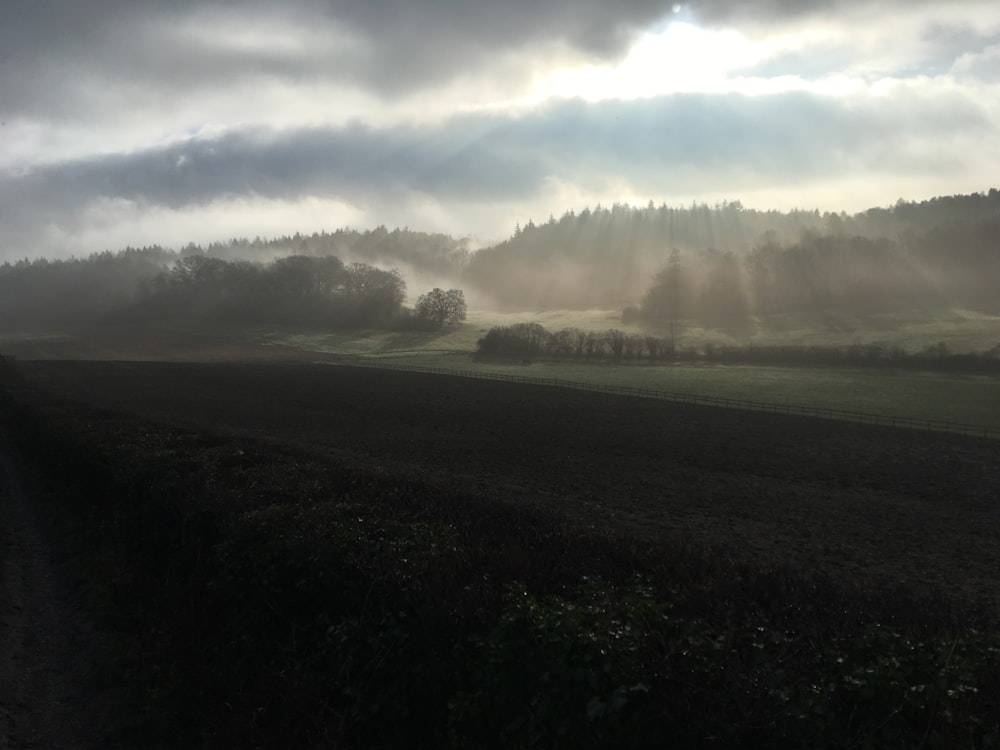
{"x": 914, "y": 330}
{"x": 967, "y": 399}
{"x": 305, "y": 556}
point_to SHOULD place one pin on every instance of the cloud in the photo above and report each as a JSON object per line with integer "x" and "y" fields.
{"x": 865, "y": 41}
{"x": 689, "y": 143}
{"x": 56, "y": 54}
{"x": 115, "y": 75}
{"x": 492, "y": 156}
{"x": 397, "y": 110}
{"x": 980, "y": 65}
{"x": 771, "y": 11}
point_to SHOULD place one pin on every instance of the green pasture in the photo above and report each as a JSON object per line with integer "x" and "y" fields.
{"x": 913, "y": 330}
{"x": 902, "y": 393}
{"x": 966, "y": 399}
{"x": 461, "y": 338}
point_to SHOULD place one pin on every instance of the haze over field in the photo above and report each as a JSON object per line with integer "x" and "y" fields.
{"x": 476, "y": 375}
{"x": 133, "y": 123}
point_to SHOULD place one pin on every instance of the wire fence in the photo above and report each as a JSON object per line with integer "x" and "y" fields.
{"x": 843, "y": 415}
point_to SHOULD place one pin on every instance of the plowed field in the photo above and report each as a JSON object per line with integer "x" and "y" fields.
{"x": 862, "y": 502}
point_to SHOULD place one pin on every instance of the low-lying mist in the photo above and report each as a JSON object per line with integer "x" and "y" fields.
{"x": 652, "y": 265}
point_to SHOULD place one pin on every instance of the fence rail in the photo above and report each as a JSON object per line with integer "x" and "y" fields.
{"x": 842, "y": 415}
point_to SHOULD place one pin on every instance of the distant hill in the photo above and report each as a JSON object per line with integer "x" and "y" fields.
{"x": 606, "y": 257}
{"x": 700, "y": 261}
{"x": 426, "y": 253}
{"x": 104, "y": 285}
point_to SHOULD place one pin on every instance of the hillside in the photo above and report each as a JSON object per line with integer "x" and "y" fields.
{"x": 728, "y": 262}
{"x": 740, "y": 260}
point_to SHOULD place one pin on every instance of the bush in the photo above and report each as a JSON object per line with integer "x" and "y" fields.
{"x": 519, "y": 340}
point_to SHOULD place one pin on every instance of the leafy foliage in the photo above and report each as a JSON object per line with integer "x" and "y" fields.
{"x": 739, "y": 260}
{"x": 518, "y": 340}
{"x": 294, "y": 289}
{"x": 736, "y": 262}
{"x": 533, "y": 340}
{"x": 442, "y": 308}
{"x": 237, "y": 280}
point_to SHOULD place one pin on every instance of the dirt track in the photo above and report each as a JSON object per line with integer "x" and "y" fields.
{"x": 48, "y": 648}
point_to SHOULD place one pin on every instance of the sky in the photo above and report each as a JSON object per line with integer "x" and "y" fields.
{"x": 139, "y": 122}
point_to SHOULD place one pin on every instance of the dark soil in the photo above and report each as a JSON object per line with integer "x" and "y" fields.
{"x": 862, "y": 502}
{"x": 305, "y": 555}
{"x": 50, "y": 694}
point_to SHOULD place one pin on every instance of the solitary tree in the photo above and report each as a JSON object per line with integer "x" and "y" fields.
{"x": 616, "y": 342}
{"x": 442, "y": 307}
{"x": 663, "y": 300}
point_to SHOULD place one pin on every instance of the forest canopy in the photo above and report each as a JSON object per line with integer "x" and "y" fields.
{"x": 737, "y": 260}
{"x": 133, "y": 287}
{"x": 663, "y": 263}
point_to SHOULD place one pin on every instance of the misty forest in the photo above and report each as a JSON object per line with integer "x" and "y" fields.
{"x": 716, "y": 263}
{"x": 635, "y": 476}
{"x": 522, "y": 375}
{"x": 725, "y": 267}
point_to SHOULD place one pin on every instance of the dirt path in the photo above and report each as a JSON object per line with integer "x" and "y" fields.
{"x": 47, "y": 647}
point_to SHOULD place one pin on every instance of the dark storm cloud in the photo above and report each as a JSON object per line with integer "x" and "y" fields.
{"x": 66, "y": 58}
{"x": 941, "y": 45}
{"x": 650, "y": 144}
{"x": 54, "y": 52}
{"x": 769, "y": 11}
{"x": 976, "y": 54}
{"x": 461, "y": 160}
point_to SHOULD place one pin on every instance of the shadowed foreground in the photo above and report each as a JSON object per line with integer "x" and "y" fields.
{"x": 312, "y": 556}
{"x": 50, "y": 696}
{"x": 907, "y": 506}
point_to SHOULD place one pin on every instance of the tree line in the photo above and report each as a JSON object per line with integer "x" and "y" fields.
{"x": 665, "y": 263}
{"x": 528, "y": 341}
{"x": 815, "y": 273}
{"x": 78, "y": 290}
{"x": 292, "y": 290}
{"x": 153, "y": 284}
{"x": 740, "y": 261}
{"x": 438, "y": 254}
{"x": 98, "y": 286}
